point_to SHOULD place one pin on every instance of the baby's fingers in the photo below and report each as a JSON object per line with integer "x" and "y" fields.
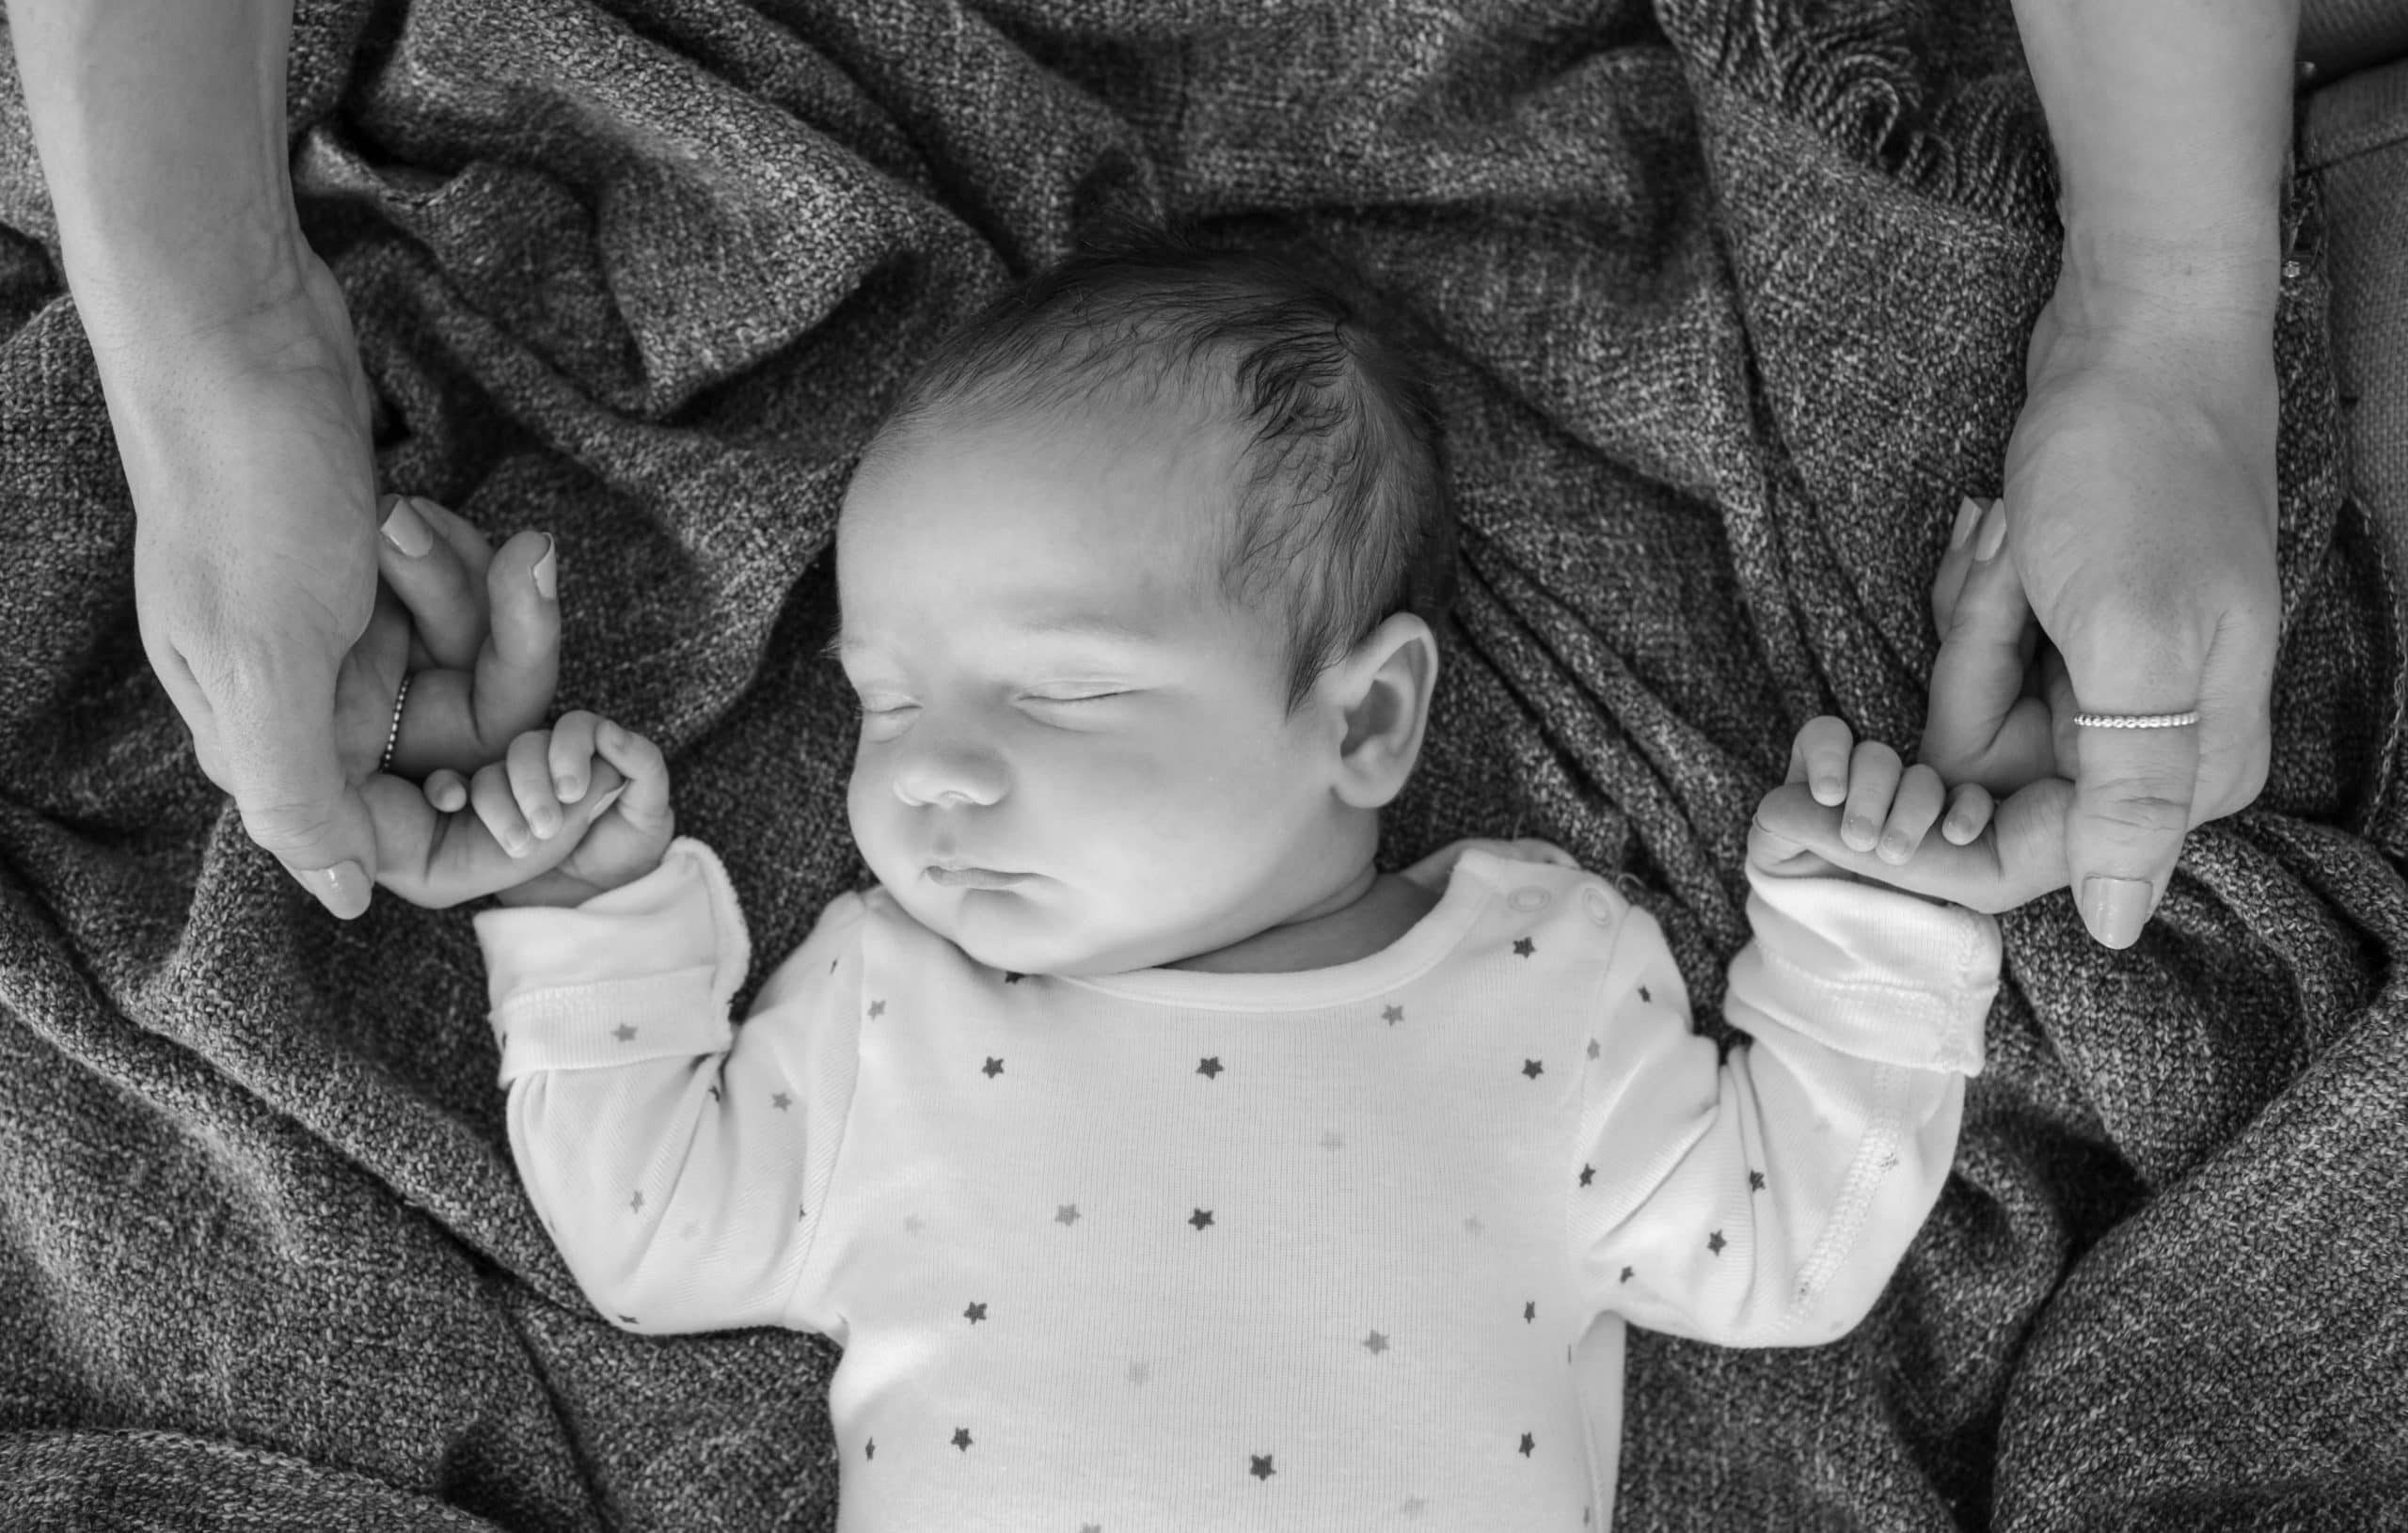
{"x": 1820, "y": 758}
{"x": 447, "y": 791}
{"x": 1921, "y": 798}
{"x": 646, "y": 804}
{"x": 1872, "y": 784}
{"x": 572, "y": 752}
{"x": 1968, "y": 813}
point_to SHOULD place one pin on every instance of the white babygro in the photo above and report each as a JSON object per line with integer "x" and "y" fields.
{"x": 1168, "y": 1251}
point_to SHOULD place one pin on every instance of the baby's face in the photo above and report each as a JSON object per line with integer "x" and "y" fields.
{"x": 1055, "y": 692}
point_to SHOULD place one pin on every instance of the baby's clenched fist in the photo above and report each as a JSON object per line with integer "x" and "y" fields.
{"x": 569, "y": 812}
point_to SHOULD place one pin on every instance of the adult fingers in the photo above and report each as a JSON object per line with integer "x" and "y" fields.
{"x": 1977, "y": 722}
{"x": 276, "y": 744}
{"x": 438, "y": 575}
{"x": 519, "y": 664}
{"x": 1950, "y": 577}
{"x": 2135, "y": 785}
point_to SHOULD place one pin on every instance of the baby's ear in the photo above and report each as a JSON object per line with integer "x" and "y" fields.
{"x": 1384, "y": 687}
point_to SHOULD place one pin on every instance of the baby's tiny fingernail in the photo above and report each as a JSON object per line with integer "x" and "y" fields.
{"x": 569, "y": 788}
{"x": 1893, "y": 849}
{"x": 1855, "y": 831}
{"x": 547, "y": 824}
{"x": 546, "y": 571}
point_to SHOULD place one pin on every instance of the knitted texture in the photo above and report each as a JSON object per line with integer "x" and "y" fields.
{"x": 1726, "y": 303}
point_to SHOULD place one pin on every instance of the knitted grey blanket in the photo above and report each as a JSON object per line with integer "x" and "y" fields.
{"x": 1726, "y": 301}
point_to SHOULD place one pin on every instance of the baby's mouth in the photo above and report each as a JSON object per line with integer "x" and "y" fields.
{"x": 970, "y": 877}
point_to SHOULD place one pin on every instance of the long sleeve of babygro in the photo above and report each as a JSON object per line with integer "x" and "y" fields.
{"x": 1766, "y": 1198}
{"x": 673, "y": 1157}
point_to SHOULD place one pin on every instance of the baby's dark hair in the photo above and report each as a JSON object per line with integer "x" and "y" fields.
{"x": 1342, "y": 508}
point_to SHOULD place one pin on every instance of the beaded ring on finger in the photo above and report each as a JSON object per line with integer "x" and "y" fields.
{"x": 393, "y": 736}
{"x": 2137, "y": 720}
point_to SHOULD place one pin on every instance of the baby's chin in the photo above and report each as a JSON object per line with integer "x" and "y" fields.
{"x": 1008, "y": 930}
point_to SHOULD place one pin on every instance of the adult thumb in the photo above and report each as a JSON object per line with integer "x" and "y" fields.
{"x": 2132, "y": 806}
{"x": 290, "y": 788}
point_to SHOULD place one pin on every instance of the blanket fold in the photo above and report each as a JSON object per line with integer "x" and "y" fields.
{"x": 1726, "y": 303}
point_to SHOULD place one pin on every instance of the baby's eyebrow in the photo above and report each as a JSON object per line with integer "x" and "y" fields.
{"x": 1072, "y": 625}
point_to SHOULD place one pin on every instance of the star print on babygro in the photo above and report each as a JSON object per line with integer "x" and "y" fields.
{"x": 624, "y": 1032}
{"x": 1053, "y": 1379}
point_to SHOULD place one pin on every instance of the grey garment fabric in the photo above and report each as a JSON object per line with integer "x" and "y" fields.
{"x": 2341, "y": 37}
{"x": 2353, "y": 142}
{"x": 1726, "y": 301}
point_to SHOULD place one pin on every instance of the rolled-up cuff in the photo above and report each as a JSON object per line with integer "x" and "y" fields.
{"x": 642, "y": 972}
{"x": 1874, "y": 973}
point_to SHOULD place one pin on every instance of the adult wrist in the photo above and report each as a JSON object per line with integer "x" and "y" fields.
{"x": 2221, "y": 277}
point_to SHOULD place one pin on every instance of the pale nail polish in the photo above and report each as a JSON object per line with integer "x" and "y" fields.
{"x": 406, "y": 531}
{"x": 1967, "y": 515}
{"x": 2115, "y": 909}
{"x": 1993, "y": 533}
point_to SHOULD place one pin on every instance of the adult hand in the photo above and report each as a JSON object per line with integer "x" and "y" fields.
{"x": 246, "y": 444}
{"x": 2140, "y": 505}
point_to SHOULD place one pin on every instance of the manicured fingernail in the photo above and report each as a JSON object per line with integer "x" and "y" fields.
{"x": 547, "y": 572}
{"x": 1993, "y": 533}
{"x": 1967, "y": 515}
{"x": 405, "y": 532}
{"x": 343, "y": 889}
{"x": 2115, "y": 909}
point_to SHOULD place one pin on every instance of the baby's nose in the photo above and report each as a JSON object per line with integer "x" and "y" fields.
{"x": 949, "y": 772}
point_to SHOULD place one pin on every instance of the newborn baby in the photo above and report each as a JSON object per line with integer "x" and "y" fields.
{"x": 1157, "y": 1163}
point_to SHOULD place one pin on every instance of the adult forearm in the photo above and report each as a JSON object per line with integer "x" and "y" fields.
{"x": 160, "y": 125}
{"x": 2170, "y": 119}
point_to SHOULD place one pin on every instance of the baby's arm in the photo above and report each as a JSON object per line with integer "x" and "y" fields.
{"x": 678, "y": 1161}
{"x": 1765, "y": 1200}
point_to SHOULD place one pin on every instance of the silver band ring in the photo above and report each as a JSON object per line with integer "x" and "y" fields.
{"x": 2137, "y": 720}
{"x": 385, "y": 763}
